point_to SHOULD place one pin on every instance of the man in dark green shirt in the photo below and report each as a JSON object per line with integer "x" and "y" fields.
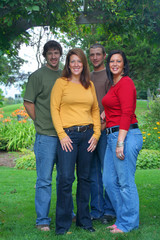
{"x": 37, "y": 104}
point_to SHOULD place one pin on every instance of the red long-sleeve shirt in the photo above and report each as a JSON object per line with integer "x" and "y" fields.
{"x": 120, "y": 104}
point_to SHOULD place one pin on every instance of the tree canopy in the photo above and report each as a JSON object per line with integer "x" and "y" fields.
{"x": 18, "y": 16}
{"x": 142, "y": 16}
{"x": 132, "y": 25}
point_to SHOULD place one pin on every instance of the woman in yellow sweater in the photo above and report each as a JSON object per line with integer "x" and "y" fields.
{"x": 75, "y": 114}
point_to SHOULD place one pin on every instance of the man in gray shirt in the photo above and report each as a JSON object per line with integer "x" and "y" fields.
{"x": 101, "y": 207}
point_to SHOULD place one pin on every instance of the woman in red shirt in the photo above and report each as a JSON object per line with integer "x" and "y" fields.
{"x": 124, "y": 141}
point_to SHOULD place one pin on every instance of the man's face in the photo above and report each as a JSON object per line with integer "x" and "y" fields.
{"x": 97, "y": 58}
{"x": 52, "y": 58}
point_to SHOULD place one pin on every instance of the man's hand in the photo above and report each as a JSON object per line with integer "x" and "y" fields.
{"x": 30, "y": 108}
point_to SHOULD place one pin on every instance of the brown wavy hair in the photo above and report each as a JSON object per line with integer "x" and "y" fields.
{"x": 85, "y": 75}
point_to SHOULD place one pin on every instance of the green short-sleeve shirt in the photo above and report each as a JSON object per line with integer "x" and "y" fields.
{"x": 38, "y": 91}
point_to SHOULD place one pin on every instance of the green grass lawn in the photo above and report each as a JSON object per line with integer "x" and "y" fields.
{"x": 17, "y": 212}
{"x": 7, "y": 110}
{"x": 141, "y": 107}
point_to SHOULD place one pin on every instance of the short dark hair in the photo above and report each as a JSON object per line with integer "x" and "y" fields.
{"x": 85, "y": 75}
{"x": 98, "y": 45}
{"x": 126, "y": 66}
{"x": 51, "y": 44}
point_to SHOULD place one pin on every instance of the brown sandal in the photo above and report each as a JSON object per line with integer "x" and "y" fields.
{"x": 43, "y": 227}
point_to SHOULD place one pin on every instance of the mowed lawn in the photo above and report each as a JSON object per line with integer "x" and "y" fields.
{"x": 17, "y": 211}
{"x": 141, "y": 107}
{"x": 7, "y": 110}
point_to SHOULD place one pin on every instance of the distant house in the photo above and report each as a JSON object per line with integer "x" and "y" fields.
{"x": 18, "y": 97}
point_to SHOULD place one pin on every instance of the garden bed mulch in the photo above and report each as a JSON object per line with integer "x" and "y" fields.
{"x": 7, "y": 159}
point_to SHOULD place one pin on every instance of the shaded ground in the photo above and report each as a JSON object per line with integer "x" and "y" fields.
{"x": 7, "y": 158}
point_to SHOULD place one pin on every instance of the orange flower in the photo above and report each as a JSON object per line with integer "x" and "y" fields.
{"x": 21, "y": 111}
{"x": 24, "y": 121}
{"x": 7, "y": 120}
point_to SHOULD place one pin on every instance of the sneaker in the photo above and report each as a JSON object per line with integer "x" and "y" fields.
{"x": 107, "y": 219}
{"x": 96, "y": 219}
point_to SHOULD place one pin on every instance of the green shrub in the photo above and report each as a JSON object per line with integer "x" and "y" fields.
{"x": 153, "y": 114}
{"x": 15, "y": 135}
{"x": 151, "y": 135}
{"x": 16, "y": 129}
{"x": 149, "y": 124}
{"x": 148, "y": 159}
{"x": 27, "y": 161}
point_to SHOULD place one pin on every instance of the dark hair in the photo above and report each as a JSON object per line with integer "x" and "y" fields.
{"x": 126, "y": 66}
{"x": 85, "y": 75}
{"x": 98, "y": 45}
{"x": 51, "y": 44}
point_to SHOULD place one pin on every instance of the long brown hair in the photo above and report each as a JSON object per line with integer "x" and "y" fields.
{"x": 85, "y": 75}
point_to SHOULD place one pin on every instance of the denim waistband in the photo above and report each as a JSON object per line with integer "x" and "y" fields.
{"x": 116, "y": 129}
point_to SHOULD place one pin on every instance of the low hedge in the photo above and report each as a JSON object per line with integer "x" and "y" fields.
{"x": 148, "y": 159}
{"x": 26, "y": 161}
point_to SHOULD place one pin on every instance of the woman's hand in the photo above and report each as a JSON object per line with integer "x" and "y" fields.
{"x": 119, "y": 152}
{"x": 120, "y": 144}
{"x": 93, "y": 143}
{"x": 66, "y": 144}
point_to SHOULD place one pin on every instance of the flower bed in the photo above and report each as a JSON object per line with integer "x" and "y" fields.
{"x": 14, "y": 134}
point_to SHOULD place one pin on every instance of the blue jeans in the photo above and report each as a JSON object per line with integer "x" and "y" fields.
{"x": 45, "y": 151}
{"x": 100, "y": 202}
{"x": 66, "y": 162}
{"x": 119, "y": 179}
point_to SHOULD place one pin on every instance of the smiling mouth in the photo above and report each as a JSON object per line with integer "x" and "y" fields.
{"x": 53, "y": 62}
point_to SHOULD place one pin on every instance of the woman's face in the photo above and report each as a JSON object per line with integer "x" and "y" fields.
{"x": 116, "y": 64}
{"x": 75, "y": 65}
